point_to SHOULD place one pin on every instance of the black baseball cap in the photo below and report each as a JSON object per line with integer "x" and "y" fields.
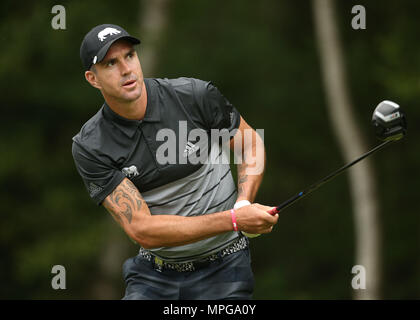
{"x": 97, "y": 41}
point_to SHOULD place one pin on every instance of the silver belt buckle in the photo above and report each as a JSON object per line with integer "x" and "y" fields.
{"x": 158, "y": 264}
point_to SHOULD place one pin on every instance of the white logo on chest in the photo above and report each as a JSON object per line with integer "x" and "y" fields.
{"x": 130, "y": 172}
{"x": 190, "y": 148}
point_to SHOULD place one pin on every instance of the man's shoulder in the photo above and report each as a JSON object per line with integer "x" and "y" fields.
{"x": 90, "y": 131}
{"x": 184, "y": 85}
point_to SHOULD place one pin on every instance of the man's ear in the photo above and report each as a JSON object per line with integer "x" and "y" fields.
{"x": 90, "y": 77}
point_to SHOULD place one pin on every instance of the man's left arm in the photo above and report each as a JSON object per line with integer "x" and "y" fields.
{"x": 249, "y": 147}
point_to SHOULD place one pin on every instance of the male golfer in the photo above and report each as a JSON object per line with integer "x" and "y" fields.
{"x": 181, "y": 212}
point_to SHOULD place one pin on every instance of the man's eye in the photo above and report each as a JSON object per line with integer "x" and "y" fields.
{"x": 110, "y": 63}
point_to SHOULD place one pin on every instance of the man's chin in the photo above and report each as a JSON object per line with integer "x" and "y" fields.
{"x": 131, "y": 96}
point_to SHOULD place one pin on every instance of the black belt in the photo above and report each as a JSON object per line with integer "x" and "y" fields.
{"x": 160, "y": 264}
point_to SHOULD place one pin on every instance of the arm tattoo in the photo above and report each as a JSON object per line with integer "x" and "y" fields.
{"x": 110, "y": 209}
{"x": 133, "y": 190}
{"x": 123, "y": 201}
{"x": 242, "y": 178}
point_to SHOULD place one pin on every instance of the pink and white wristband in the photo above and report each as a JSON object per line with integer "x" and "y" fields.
{"x": 235, "y": 225}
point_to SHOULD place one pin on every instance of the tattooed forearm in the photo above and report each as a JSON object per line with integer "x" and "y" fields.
{"x": 138, "y": 204}
{"x": 242, "y": 178}
{"x": 133, "y": 190}
{"x": 123, "y": 201}
{"x": 108, "y": 205}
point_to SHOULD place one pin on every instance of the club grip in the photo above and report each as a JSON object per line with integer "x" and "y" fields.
{"x": 273, "y": 211}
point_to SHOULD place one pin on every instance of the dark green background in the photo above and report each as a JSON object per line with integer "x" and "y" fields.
{"x": 263, "y": 56}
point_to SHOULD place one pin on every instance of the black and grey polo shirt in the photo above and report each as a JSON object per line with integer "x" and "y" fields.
{"x": 163, "y": 155}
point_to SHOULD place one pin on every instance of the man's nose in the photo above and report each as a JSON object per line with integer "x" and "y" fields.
{"x": 125, "y": 68}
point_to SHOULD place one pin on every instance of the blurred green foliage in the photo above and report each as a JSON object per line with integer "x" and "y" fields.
{"x": 263, "y": 57}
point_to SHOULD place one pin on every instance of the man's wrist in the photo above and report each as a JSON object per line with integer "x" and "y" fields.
{"x": 243, "y": 197}
{"x": 241, "y": 203}
{"x": 233, "y": 216}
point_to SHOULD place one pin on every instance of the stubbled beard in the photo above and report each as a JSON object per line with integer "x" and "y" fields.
{"x": 124, "y": 97}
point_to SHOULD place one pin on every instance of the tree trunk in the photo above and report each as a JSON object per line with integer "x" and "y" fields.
{"x": 153, "y": 19}
{"x": 362, "y": 184}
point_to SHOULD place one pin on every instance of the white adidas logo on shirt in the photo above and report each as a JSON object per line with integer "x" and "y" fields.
{"x": 190, "y": 148}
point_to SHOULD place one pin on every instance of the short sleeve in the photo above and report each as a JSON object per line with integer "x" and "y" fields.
{"x": 223, "y": 114}
{"x": 99, "y": 178}
{"x": 216, "y": 111}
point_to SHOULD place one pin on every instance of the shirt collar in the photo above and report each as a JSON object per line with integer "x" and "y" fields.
{"x": 129, "y": 126}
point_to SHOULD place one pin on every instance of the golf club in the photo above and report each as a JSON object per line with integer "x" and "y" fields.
{"x": 390, "y": 125}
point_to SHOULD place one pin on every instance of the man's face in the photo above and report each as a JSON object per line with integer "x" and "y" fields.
{"x": 119, "y": 75}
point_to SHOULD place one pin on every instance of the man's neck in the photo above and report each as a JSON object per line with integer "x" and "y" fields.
{"x": 134, "y": 110}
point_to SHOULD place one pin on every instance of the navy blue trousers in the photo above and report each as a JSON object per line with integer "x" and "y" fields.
{"x": 230, "y": 277}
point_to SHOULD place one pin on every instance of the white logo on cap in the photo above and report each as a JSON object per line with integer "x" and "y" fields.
{"x": 107, "y": 31}
{"x": 94, "y": 59}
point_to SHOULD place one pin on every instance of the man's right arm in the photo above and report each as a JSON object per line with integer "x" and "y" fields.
{"x": 129, "y": 209}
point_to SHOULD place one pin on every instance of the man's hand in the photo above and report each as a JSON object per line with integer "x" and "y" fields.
{"x": 255, "y": 219}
